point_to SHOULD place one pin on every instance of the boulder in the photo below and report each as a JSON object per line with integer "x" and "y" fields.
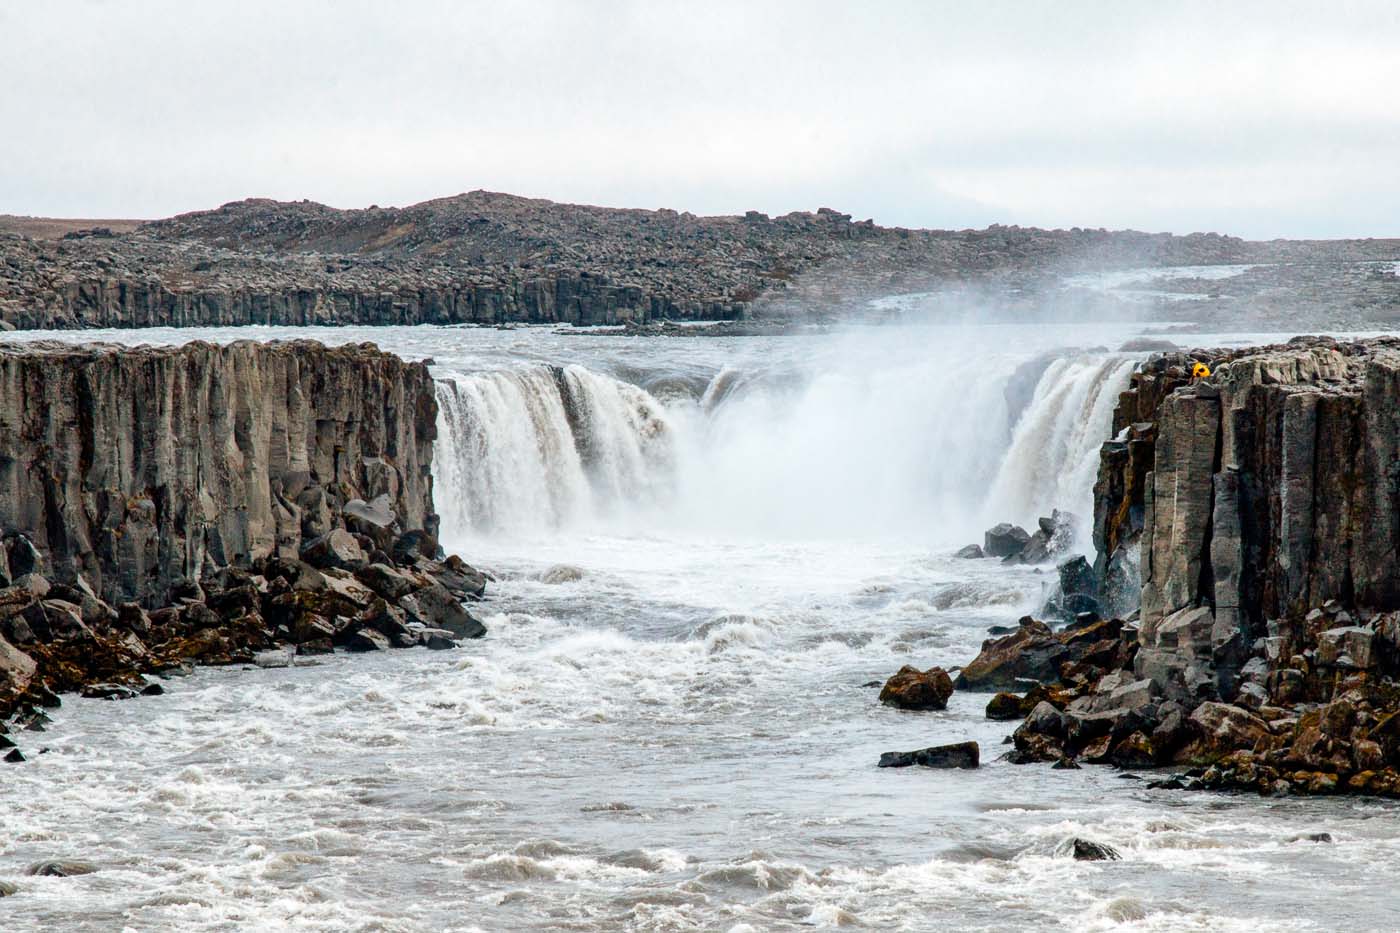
{"x": 560, "y": 573}
{"x": 365, "y": 639}
{"x": 1077, "y": 576}
{"x": 1045, "y": 719}
{"x": 34, "y": 583}
{"x": 1346, "y": 646}
{"x": 388, "y": 582}
{"x": 389, "y": 621}
{"x": 411, "y": 545}
{"x": 958, "y": 755}
{"x": 437, "y": 639}
{"x": 970, "y": 552}
{"x": 16, "y": 672}
{"x": 1005, "y": 540}
{"x": 1031, "y": 653}
{"x": 60, "y": 868}
{"x": 911, "y": 688}
{"x": 1084, "y": 850}
{"x": 1004, "y": 707}
{"x": 374, "y": 519}
{"x": 435, "y": 607}
{"x": 309, "y": 628}
{"x": 1223, "y": 728}
{"x": 454, "y": 573}
{"x": 336, "y": 548}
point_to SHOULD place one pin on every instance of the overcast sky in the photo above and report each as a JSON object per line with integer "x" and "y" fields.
{"x": 1267, "y": 119}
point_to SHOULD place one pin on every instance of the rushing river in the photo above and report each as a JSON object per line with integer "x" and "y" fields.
{"x": 705, "y": 548}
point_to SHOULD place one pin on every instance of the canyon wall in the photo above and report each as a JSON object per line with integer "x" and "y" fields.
{"x": 144, "y": 470}
{"x": 150, "y": 302}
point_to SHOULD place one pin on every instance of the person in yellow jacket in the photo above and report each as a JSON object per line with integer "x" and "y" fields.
{"x": 1200, "y": 371}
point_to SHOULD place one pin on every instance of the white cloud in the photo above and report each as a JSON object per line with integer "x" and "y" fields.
{"x": 1260, "y": 118}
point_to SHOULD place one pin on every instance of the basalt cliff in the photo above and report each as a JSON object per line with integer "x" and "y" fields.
{"x": 1248, "y": 529}
{"x": 160, "y": 505}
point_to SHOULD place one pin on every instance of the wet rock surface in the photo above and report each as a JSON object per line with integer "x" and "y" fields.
{"x": 964, "y": 755}
{"x": 911, "y": 688}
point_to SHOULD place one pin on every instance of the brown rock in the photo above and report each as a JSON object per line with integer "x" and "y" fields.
{"x": 911, "y": 688}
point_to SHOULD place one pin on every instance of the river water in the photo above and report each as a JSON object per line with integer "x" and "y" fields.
{"x": 705, "y": 548}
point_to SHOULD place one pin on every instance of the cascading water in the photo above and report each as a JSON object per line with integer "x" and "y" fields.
{"x": 542, "y": 447}
{"x": 1053, "y": 458}
{"x": 856, "y": 445}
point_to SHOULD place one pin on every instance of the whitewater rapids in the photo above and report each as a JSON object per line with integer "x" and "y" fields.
{"x": 704, "y": 549}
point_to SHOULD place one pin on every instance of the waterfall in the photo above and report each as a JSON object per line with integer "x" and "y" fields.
{"x": 846, "y": 446}
{"x": 1053, "y": 458}
{"x": 544, "y": 447}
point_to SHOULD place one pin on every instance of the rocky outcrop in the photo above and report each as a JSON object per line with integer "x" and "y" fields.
{"x": 1273, "y": 492}
{"x": 202, "y": 504}
{"x": 141, "y": 471}
{"x": 1266, "y": 504}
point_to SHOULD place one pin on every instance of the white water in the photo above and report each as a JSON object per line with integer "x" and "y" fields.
{"x": 873, "y": 439}
{"x": 674, "y": 735}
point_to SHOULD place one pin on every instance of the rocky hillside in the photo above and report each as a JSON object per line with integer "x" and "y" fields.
{"x": 491, "y": 258}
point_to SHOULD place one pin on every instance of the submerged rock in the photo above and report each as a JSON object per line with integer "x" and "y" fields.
{"x": 911, "y": 688}
{"x": 561, "y": 573}
{"x": 959, "y": 755}
{"x": 1084, "y": 850}
{"x": 61, "y": 868}
{"x": 970, "y": 552}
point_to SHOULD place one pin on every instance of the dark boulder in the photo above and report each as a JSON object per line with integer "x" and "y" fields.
{"x": 336, "y": 548}
{"x": 436, "y": 639}
{"x": 1031, "y": 653}
{"x": 958, "y": 755}
{"x": 971, "y": 552}
{"x": 1084, "y": 850}
{"x": 374, "y": 519}
{"x": 911, "y": 688}
{"x": 389, "y": 582}
{"x": 411, "y": 545}
{"x": 366, "y": 639}
{"x": 1004, "y": 707}
{"x": 1005, "y": 540}
{"x": 389, "y": 621}
{"x": 435, "y": 607}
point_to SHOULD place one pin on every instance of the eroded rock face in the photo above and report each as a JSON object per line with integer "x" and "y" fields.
{"x": 140, "y": 469}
